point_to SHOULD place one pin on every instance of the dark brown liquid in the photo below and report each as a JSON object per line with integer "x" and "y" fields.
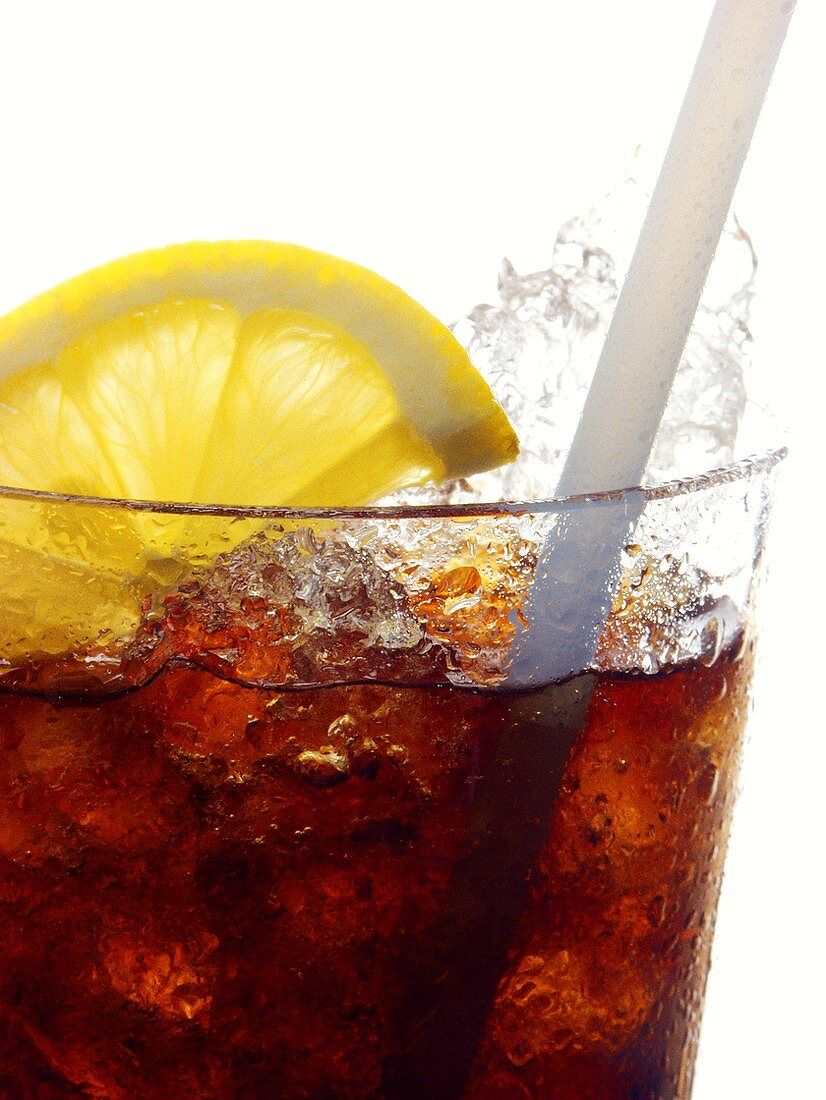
{"x": 212, "y": 890}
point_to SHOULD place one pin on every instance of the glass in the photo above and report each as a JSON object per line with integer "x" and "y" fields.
{"x": 277, "y": 808}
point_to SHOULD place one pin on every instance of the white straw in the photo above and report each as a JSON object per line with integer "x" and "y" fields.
{"x": 676, "y": 246}
{"x": 578, "y": 569}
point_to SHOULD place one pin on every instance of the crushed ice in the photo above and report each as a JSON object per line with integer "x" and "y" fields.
{"x": 538, "y": 348}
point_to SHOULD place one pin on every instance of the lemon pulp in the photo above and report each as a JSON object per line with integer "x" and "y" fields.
{"x": 238, "y": 373}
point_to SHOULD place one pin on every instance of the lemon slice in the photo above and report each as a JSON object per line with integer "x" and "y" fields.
{"x": 238, "y": 373}
{"x": 233, "y": 373}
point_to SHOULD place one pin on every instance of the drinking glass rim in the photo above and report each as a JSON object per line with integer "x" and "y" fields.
{"x": 737, "y": 470}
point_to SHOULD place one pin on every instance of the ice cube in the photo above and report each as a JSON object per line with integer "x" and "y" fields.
{"x": 171, "y": 978}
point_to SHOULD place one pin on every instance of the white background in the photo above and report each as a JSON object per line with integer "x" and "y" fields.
{"x": 428, "y": 140}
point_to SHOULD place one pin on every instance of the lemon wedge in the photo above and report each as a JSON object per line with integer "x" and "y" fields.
{"x": 238, "y": 373}
{"x": 232, "y": 373}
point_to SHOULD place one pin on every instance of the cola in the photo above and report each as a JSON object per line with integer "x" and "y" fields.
{"x": 218, "y": 889}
